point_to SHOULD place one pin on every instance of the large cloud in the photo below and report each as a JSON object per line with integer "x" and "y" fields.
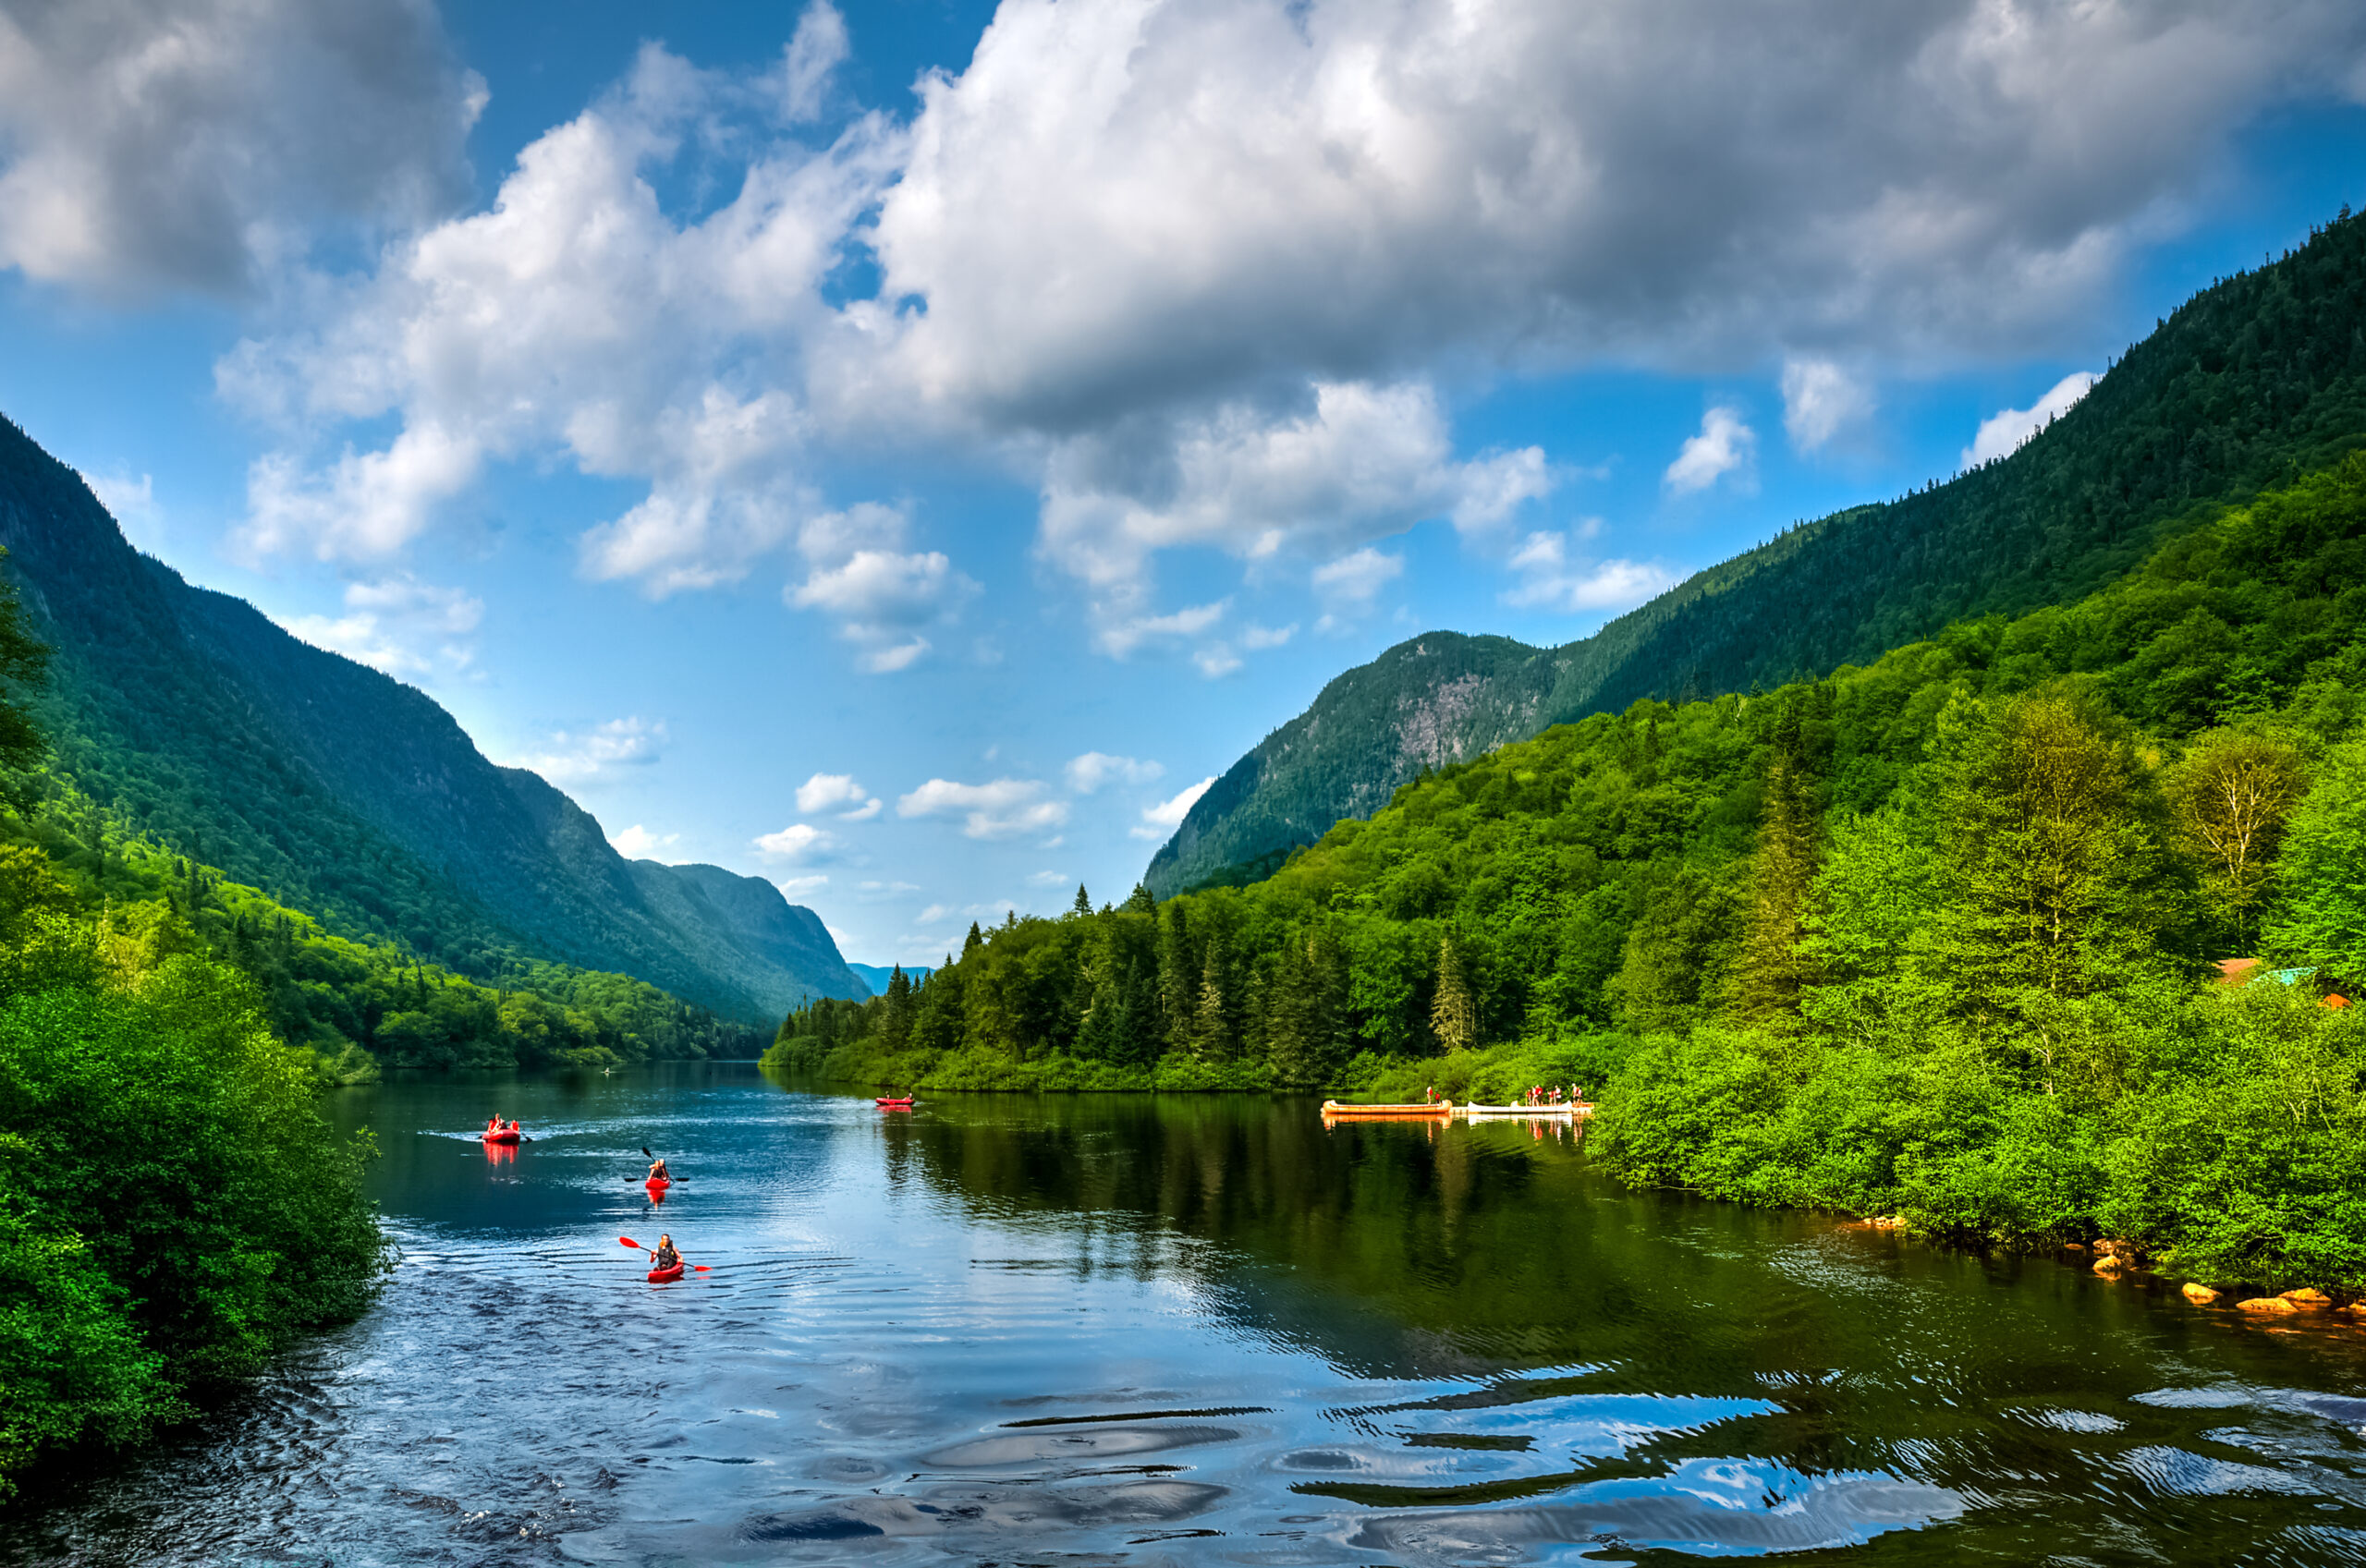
{"x": 148, "y": 145}
{"x": 1207, "y": 271}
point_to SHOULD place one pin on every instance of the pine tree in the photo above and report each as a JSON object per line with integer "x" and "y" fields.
{"x": 1454, "y": 1017}
{"x": 1177, "y": 994}
{"x": 1770, "y": 971}
{"x": 1211, "y": 1039}
{"x": 1139, "y": 900}
{"x": 973, "y": 941}
{"x": 1083, "y": 905}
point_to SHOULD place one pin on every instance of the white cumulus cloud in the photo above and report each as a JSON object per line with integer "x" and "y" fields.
{"x": 798, "y": 842}
{"x": 1160, "y": 821}
{"x": 2002, "y": 433}
{"x": 636, "y": 843}
{"x": 1000, "y": 809}
{"x": 838, "y": 793}
{"x": 1725, "y": 446}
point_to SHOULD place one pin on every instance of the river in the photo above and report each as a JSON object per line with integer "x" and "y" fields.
{"x": 1120, "y": 1330}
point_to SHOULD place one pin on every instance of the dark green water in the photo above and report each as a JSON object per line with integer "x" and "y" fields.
{"x": 1128, "y": 1331}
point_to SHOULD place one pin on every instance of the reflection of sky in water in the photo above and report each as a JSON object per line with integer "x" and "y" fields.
{"x": 1197, "y": 1332}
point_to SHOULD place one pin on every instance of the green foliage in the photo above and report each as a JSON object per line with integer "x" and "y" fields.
{"x": 2323, "y": 919}
{"x": 173, "y": 1207}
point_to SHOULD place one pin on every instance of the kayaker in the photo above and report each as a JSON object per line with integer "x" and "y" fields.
{"x": 657, "y": 1172}
{"x": 494, "y": 1125}
{"x": 665, "y": 1256}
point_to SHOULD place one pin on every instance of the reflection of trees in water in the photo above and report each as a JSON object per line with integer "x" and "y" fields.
{"x": 1483, "y": 1231}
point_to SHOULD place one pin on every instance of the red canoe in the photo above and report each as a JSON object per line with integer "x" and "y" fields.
{"x": 661, "y": 1276}
{"x": 505, "y": 1136}
{"x": 903, "y": 1104}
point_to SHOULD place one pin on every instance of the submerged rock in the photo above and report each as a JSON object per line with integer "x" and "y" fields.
{"x": 2307, "y": 1295}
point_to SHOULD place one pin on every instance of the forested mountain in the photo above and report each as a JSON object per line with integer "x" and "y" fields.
{"x": 348, "y": 795}
{"x": 2251, "y": 383}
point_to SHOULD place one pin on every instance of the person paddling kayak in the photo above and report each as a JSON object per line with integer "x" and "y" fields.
{"x": 657, "y": 1171}
{"x": 665, "y": 1256}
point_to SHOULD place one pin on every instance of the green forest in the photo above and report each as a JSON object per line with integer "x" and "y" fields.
{"x": 1934, "y": 937}
{"x": 173, "y": 1207}
{"x": 354, "y": 1005}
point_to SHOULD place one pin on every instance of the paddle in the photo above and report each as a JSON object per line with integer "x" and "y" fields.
{"x": 627, "y": 1240}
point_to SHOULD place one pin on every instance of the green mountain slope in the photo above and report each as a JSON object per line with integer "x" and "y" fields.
{"x": 346, "y": 793}
{"x": 2252, "y": 383}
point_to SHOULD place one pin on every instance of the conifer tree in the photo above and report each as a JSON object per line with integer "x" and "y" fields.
{"x": 1139, "y": 900}
{"x": 1177, "y": 975}
{"x": 1212, "y": 1025}
{"x": 973, "y": 941}
{"x": 1083, "y": 905}
{"x": 1770, "y": 971}
{"x": 1454, "y": 1017}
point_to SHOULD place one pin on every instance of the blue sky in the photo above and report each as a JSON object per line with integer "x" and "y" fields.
{"x": 748, "y": 414}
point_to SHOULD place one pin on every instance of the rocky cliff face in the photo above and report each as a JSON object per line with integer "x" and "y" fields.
{"x": 351, "y": 795}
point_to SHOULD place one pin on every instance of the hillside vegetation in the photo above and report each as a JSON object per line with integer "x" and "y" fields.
{"x": 173, "y": 1207}
{"x": 1929, "y": 937}
{"x": 2252, "y": 383}
{"x": 200, "y": 725}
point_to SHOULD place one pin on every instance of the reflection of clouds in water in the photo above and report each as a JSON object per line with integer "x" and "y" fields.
{"x": 1704, "y": 1505}
{"x": 2063, "y": 1420}
{"x": 2173, "y": 1471}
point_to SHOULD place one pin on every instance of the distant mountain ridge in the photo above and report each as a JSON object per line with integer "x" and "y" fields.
{"x": 876, "y": 975}
{"x": 2251, "y": 382}
{"x": 352, "y": 795}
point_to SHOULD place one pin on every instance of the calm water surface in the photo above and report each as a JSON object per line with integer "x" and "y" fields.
{"x": 1128, "y": 1331}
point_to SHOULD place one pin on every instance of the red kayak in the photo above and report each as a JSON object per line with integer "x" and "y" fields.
{"x": 658, "y": 1184}
{"x": 505, "y": 1136}
{"x": 903, "y": 1104}
{"x": 662, "y": 1276}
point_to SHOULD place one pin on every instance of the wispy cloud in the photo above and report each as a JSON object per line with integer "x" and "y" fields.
{"x": 584, "y": 757}
{"x": 1000, "y": 809}
{"x": 1094, "y": 769}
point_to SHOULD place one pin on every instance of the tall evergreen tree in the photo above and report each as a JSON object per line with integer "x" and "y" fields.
{"x": 1212, "y": 1032}
{"x": 1770, "y": 969}
{"x": 1454, "y": 1014}
{"x": 1083, "y": 905}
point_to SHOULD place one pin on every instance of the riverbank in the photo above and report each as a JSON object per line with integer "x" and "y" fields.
{"x": 2214, "y": 1136}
